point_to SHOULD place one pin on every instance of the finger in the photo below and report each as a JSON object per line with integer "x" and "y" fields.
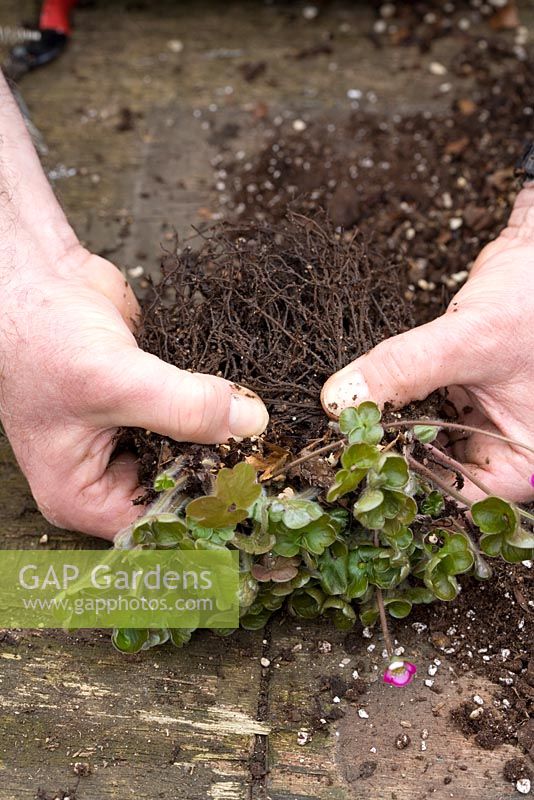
{"x": 107, "y": 280}
{"x": 88, "y": 494}
{"x": 521, "y": 222}
{"x": 504, "y": 470}
{"x": 108, "y": 505}
{"x": 185, "y": 406}
{"x": 404, "y": 368}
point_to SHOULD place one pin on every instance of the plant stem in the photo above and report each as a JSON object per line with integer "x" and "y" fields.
{"x": 455, "y": 426}
{"x": 418, "y": 467}
{"x": 302, "y": 459}
{"x": 390, "y": 445}
{"x": 321, "y": 451}
{"x": 457, "y": 467}
{"x": 382, "y": 612}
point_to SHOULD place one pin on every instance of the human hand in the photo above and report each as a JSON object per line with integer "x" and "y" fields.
{"x": 72, "y": 373}
{"x": 482, "y": 348}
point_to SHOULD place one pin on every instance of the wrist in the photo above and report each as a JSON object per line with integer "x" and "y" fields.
{"x": 49, "y": 248}
{"x": 34, "y": 231}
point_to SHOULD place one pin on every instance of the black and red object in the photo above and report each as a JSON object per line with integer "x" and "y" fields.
{"x": 54, "y": 26}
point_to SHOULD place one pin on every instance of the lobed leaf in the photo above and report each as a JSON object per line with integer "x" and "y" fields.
{"x": 425, "y": 433}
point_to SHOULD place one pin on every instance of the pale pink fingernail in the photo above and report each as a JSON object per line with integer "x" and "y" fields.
{"x": 344, "y": 390}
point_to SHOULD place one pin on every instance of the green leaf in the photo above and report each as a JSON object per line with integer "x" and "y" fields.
{"x": 306, "y": 603}
{"x": 491, "y": 545}
{"x": 369, "y": 413}
{"x": 254, "y": 622}
{"x": 333, "y": 572}
{"x": 260, "y": 541}
{"x": 338, "y": 518}
{"x": 181, "y": 636}
{"x": 314, "y": 538}
{"x": 211, "y": 512}
{"x": 142, "y": 533}
{"x": 521, "y": 538}
{"x": 395, "y": 511}
{"x": 433, "y": 504}
{"x": 360, "y": 456}
{"x": 369, "y": 615}
{"x": 370, "y": 435}
{"x": 444, "y": 585}
{"x": 130, "y": 640}
{"x": 318, "y": 535}
{"x": 398, "y": 607}
{"x": 495, "y": 515}
{"x": 369, "y": 500}
{"x": 345, "y": 481}
{"x": 299, "y": 513}
{"x": 457, "y": 553}
{"x": 236, "y": 491}
{"x": 349, "y": 419}
{"x": 361, "y": 424}
{"x": 169, "y": 530}
{"x": 238, "y": 486}
{"x": 164, "y": 531}
{"x": 358, "y": 581}
{"x": 453, "y": 558}
{"x": 418, "y": 594}
{"x": 495, "y": 545}
{"x": 287, "y": 543}
{"x": 164, "y": 481}
{"x": 393, "y": 473}
{"x": 156, "y": 637}
{"x": 502, "y": 534}
{"x": 406, "y": 508}
{"x": 340, "y": 612}
{"x": 513, "y": 555}
{"x": 400, "y": 539}
{"x": 425, "y": 433}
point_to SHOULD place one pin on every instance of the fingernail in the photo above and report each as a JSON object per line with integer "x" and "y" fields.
{"x": 343, "y": 390}
{"x": 248, "y": 416}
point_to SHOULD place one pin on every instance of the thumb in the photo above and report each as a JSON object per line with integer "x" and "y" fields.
{"x": 519, "y": 231}
{"x": 185, "y": 406}
{"x": 521, "y": 223}
{"x": 404, "y": 368}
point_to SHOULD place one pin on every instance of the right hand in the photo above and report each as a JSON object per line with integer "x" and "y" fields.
{"x": 482, "y": 348}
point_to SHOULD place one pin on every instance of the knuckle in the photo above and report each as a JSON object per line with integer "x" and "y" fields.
{"x": 198, "y": 409}
{"x": 394, "y": 361}
{"x": 53, "y": 508}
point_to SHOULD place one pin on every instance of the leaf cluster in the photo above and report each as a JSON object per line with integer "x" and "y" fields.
{"x": 379, "y": 527}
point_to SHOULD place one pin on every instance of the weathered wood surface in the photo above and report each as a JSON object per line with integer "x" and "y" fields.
{"x": 207, "y": 721}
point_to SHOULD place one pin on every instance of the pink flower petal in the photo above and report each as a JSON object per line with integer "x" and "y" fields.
{"x": 400, "y": 673}
{"x": 532, "y": 480}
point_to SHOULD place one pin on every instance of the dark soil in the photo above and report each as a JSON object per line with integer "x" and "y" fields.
{"x": 430, "y": 190}
{"x": 488, "y": 630}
